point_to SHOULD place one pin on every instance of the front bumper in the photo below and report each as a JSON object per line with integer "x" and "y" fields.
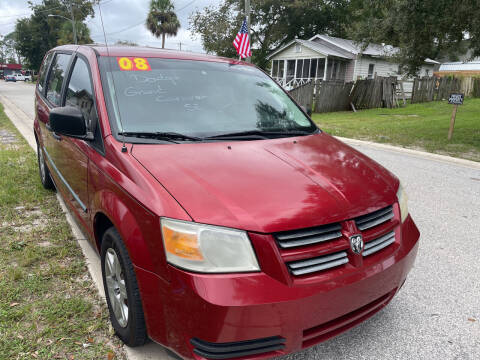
{"x": 199, "y": 316}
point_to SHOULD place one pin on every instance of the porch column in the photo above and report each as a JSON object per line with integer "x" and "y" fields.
{"x": 325, "y": 70}
{"x": 271, "y": 70}
{"x": 295, "y": 73}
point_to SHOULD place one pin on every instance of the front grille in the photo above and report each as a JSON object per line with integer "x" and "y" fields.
{"x": 236, "y": 349}
{"x": 290, "y": 239}
{"x": 382, "y": 242}
{"x": 322, "y": 249}
{"x": 375, "y": 218}
{"x": 320, "y": 263}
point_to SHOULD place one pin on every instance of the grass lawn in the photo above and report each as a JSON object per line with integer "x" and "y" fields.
{"x": 418, "y": 126}
{"x": 49, "y": 307}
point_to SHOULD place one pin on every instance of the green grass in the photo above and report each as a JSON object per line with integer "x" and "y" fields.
{"x": 419, "y": 126}
{"x": 49, "y": 307}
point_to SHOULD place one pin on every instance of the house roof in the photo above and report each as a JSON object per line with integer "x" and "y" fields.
{"x": 344, "y": 48}
{"x": 356, "y": 48}
{"x": 460, "y": 66}
{"x": 320, "y": 48}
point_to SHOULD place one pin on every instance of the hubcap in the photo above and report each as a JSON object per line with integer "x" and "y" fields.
{"x": 41, "y": 163}
{"x": 117, "y": 291}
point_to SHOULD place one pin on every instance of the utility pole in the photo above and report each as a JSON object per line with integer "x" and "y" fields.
{"x": 73, "y": 23}
{"x": 247, "y": 14}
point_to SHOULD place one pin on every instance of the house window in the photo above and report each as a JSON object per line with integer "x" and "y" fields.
{"x": 275, "y": 69}
{"x": 427, "y": 72}
{"x": 313, "y": 68}
{"x": 306, "y": 68}
{"x": 371, "y": 69}
{"x": 290, "y": 69}
{"x": 321, "y": 68}
{"x": 298, "y": 48}
{"x": 299, "y": 68}
{"x": 281, "y": 68}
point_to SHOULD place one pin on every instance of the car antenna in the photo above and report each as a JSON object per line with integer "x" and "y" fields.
{"x": 124, "y": 148}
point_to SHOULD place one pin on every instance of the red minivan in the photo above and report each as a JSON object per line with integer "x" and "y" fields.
{"x": 228, "y": 224}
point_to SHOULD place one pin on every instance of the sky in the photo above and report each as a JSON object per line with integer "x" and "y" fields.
{"x": 118, "y": 15}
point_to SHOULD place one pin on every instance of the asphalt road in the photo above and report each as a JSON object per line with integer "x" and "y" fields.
{"x": 436, "y": 315}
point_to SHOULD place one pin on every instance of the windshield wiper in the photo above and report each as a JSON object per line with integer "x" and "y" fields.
{"x": 259, "y": 133}
{"x": 169, "y": 136}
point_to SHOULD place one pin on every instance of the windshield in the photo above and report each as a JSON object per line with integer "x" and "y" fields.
{"x": 197, "y": 99}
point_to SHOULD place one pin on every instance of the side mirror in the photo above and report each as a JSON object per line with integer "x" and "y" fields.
{"x": 69, "y": 121}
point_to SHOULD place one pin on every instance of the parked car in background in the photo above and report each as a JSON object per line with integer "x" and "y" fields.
{"x": 11, "y": 77}
{"x": 228, "y": 225}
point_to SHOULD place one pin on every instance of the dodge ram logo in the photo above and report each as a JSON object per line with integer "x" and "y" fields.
{"x": 356, "y": 243}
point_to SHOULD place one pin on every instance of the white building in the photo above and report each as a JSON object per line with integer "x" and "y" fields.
{"x": 331, "y": 58}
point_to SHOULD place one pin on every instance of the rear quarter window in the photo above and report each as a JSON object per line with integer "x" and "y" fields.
{"x": 55, "y": 79}
{"x": 43, "y": 72}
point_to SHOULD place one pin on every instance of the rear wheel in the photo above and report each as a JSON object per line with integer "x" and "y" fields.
{"x": 121, "y": 290}
{"x": 43, "y": 170}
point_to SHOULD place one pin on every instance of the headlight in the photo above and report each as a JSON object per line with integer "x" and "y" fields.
{"x": 403, "y": 202}
{"x": 206, "y": 248}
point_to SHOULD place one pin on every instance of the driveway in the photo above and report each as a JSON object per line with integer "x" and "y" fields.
{"x": 437, "y": 312}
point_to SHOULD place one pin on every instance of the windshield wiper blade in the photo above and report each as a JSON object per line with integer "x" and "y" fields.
{"x": 260, "y": 133}
{"x": 170, "y": 136}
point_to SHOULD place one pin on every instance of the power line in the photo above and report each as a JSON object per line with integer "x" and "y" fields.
{"x": 187, "y": 5}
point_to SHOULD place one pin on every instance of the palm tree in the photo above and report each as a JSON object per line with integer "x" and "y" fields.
{"x": 162, "y": 20}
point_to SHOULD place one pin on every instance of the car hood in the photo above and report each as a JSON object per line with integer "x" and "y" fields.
{"x": 270, "y": 185}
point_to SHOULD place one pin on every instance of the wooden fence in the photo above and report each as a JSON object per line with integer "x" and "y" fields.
{"x": 375, "y": 93}
{"x": 381, "y": 92}
{"x": 439, "y": 88}
{"x": 303, "y": 94}
{"x": 332, "y": 96}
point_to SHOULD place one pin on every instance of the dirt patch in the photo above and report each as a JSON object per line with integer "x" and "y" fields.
{"x": 7, "y": 138}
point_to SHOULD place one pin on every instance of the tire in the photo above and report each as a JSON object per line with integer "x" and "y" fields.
{"x": 43, "y": 171}
{"x": 125, "y": 306}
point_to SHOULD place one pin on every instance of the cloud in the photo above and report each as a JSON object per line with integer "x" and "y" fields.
{"x": 123, "y": 20}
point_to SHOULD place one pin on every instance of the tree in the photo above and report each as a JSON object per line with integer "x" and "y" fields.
{"x": 126, "y": 43}
{"x": 162, "y": 20}
{"x": 273, "y": 24}
{"x": 420, "y": 28}
{"x": 8, "y": 53}
{"x": 39, "y": 33}
{"x": 66, "y": 33}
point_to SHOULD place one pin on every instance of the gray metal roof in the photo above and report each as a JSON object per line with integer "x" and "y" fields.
{"x": 460, "y": 66}
{"x": 356, "y": 48}
{"x": 324, "y": 49}
{"x": 343, "y": 48}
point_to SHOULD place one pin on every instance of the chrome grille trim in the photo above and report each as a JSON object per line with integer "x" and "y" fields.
{"x": 373, "y": 219}
{"x": 378, "y": 244}
{"x": 320, "y": 263}
{"x": 289, "y": 239}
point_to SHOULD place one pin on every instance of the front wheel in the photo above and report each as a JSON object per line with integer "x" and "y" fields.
{"x": 43, "y": 170}
{"x": 121, "y": 290}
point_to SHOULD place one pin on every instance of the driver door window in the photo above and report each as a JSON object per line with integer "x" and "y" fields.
{"x": 80, "y": 95}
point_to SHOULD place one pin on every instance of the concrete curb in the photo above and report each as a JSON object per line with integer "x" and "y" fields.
{"x": 21, "y": 121}
{"x": 416, "y": 153}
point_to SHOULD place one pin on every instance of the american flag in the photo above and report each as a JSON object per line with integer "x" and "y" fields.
{"x": 242, "y": 42}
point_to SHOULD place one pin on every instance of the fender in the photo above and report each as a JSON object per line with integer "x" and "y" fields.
{"x": 121, "y": 215}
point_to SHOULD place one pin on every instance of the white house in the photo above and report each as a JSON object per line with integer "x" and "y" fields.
{"x": 331, "y": 58}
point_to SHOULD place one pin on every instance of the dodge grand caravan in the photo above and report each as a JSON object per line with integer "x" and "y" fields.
{"x": 228, "y": 225}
